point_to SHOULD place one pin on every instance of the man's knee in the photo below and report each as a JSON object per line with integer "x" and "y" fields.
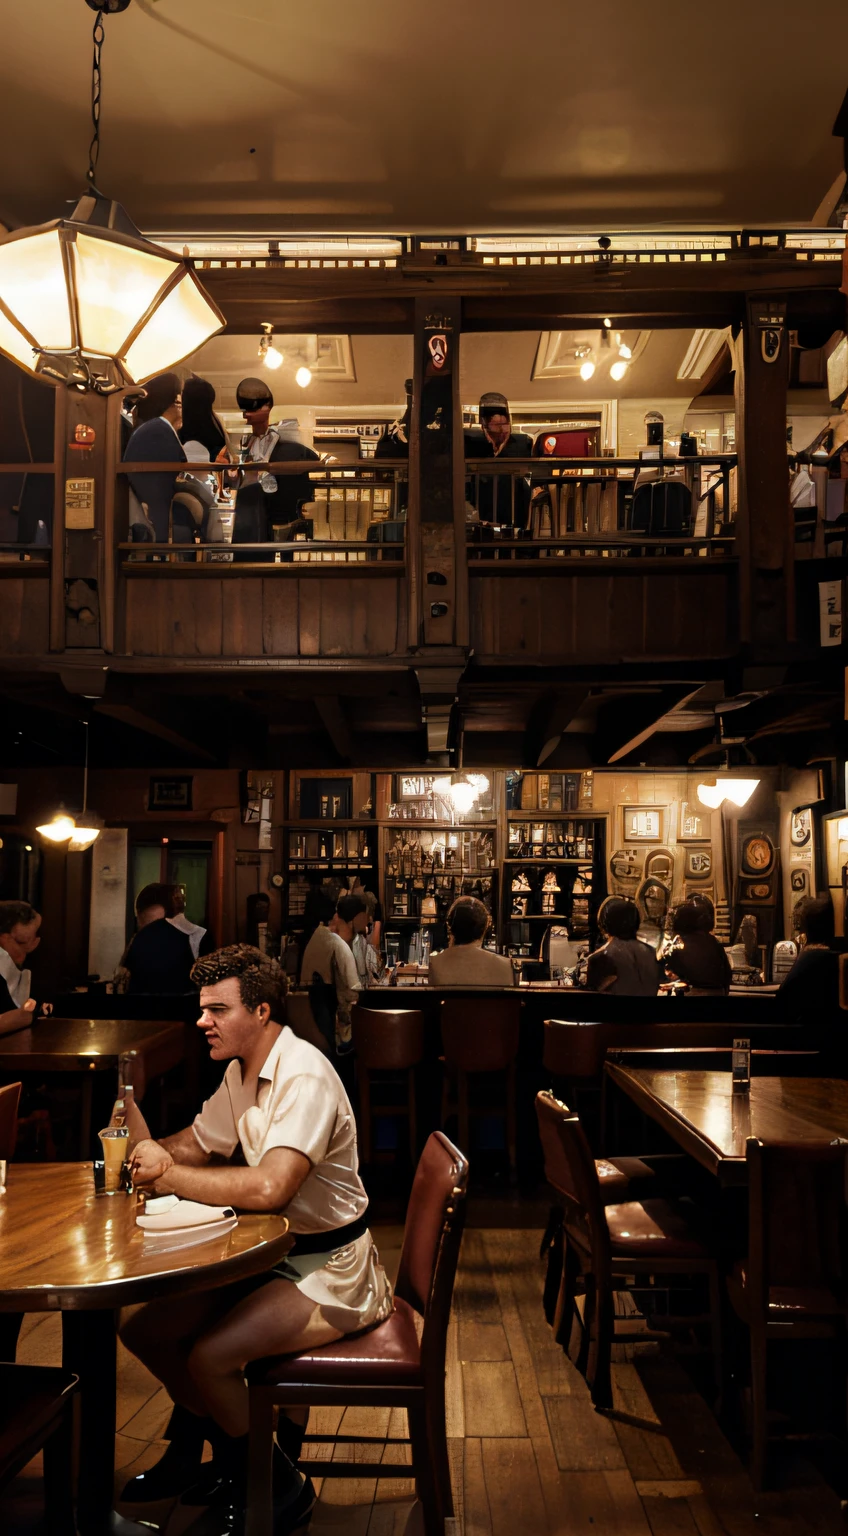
{"x": 213, "y": 1355}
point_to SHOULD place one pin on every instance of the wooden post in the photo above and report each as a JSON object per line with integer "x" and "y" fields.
{"x": 438, "y": 587}
{"x": 82, "y": 590}
{"x": 765, "y": 535}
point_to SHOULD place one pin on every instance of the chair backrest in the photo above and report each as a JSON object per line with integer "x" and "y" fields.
{"x": 797, "y": 1217}
{"x": 570, "y": 1170}
{"x": 435, "y": 1217}
{"x": 573, "y": 1049}
{"x": 9, "y": 1100}
{"x": 301, "y": 1020}
{"x": 480, "y": 1034}
{"x": 388, "y": 1039}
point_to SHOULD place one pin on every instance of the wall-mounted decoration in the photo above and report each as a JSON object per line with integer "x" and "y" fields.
{"x": 755, "y": 890}
{"x": 643, "y": 823}
{"x": 699, "y": 863}
{"x": 625, "y": 871}
{"x": 757, "y": 854}
{"x": 799, "y": 882}
{"x": 801, "y": 827}
{"x": 694, "y": 824}
{"x": 171, "y": 794}
{"x": 659, "y": 865}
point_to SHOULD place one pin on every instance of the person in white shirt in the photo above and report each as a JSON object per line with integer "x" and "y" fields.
{"x": 282, "y": 1108}
{"x": 177, "y": 918}
{"x": 19, "y": 925}
{"x": 328, "y": 969}
{"x": 465, "y": 963}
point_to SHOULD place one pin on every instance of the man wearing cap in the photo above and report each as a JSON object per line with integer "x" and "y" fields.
{"x": 495, "y": 439}
{"x": 258, "y": 508}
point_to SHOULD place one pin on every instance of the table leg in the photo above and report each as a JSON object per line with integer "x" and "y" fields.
{"x": 86, "y": 1100}
{"x": 89, "y": 1349}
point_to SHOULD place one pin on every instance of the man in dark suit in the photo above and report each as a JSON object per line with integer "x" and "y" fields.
{"x": 263, "y": 499}
{"x": 495, "y": 439}
{"x": 155, "y": 441}
{"x": 159, "y": 958}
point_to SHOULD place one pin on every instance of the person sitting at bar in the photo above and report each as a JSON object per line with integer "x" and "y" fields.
{"x": 810, "y": 992}
{"x": 328, "y": 969}
{"x": 492, "y": 495}
{"x": 623, "y": 966}
{"x": 156, "y": 440}
{"x": 698, "y": 958}
{"x": 19, "y": 925}
{"x": 199, "y": 938}
{"x": 465, "y": 963}
{"x": 262, "y": 498}
{"x": 282, "y": 1112}
{"x": 159, "y": 958}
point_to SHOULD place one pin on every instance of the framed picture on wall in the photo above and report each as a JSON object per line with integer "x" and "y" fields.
{"x": 694, "y": 825}
{"x": 757, "y": 854}
{"x": 170, "y": 794}
{"x": 755, "y": 891}
{"x": 643, "y": 823}
{"x": 801, "y": 827}
{"x": 699, "y": 863}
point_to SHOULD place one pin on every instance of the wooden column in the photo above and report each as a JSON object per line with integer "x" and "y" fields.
{"x": 765, "y": 535}
{"x": 82, "y": 578}
{"x": 438, "y": 586}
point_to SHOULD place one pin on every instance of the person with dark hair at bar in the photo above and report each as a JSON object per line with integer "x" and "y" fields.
{"x": 810, "y": 993}
{"x": 495, "y": 439}
{"x": 262, "y": 498}
{"x": 156, "y": 441}
{"x": 328, "y": 969}
{"x": 159, "y": 958}
{"x": 465, "y": 963}
{"x": 19, "y": 925}
{"x": 623, "y": 966}
{"x": 698, "y": 958}
{"x": 282, "y": 1111}
{"x": 202, "y": 426}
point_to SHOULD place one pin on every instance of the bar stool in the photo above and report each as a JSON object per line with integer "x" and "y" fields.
{"x": 480, "y": 1034}
{"x": 35, "y": 1402}
{"x": 387, "y": 1042}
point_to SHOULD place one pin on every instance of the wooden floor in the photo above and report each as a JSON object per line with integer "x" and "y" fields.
{"x": 529, "y": 1454}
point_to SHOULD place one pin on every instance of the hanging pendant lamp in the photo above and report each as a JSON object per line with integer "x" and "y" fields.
{"x": 86, "y": 299}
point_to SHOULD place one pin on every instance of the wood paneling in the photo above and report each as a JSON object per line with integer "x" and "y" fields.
{"x": 588, "y": 613}
{"x": 232, "y": 616}
{"x": 25, "y": 613}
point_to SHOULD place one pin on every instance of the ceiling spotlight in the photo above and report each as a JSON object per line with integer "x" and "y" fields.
{"x": 625, "y": 351}
{"x": 607, "y": 324}
{"x": 618, "y": 370}
{"x": 268, "y": 353}
{"x": 303, "y": 377}
{"x": 586, "y": 370}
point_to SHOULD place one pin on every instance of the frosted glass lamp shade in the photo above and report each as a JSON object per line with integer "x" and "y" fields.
{"x": 95, "y": 303}
{"x": 59, "y": 829}
{"x": 711, "y": 795}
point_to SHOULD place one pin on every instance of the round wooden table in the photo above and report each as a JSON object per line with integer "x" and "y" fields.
{"x": 62, "y": 1248}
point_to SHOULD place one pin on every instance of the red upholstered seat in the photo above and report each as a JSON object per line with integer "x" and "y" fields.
{"x": 651, "y": 1228}
{"x": 382, "y": 1356}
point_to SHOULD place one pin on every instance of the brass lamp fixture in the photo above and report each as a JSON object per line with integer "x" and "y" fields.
{"x": 86, "y": 299}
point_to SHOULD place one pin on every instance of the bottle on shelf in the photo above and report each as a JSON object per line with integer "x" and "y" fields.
{"x": 126, "y": 1065}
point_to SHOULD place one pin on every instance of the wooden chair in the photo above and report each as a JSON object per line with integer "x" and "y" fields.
{"x": 792, "y": 1284}
{"x": 480, "y": 1034}
{"x": 386, "y": 1043}
{"x": 10, "y": 1096}
{"x": 604, "y": 1245}
{"x": 34, "y": 1415}
{"x": 385, "y": 1366}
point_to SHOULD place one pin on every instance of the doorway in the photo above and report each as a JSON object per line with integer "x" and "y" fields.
{"x": 172, "y": 861}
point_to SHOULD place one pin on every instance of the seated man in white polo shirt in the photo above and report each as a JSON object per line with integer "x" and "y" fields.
{"x": 282, "y": 1110}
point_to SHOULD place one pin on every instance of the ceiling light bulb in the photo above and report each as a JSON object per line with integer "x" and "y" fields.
{"x": 303, "y": 377}
{"x": 608, "y": 324}
{"x": 272, "y": 358}
{"x": 59, "y": 830}
{"x": 586, "y": 371}
{"x": 625, "y": 351}
{"x": 711, "y": 795}
{"x": 618, "y": 370}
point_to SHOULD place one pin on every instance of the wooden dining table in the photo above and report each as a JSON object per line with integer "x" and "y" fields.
{"x": 700, "y": 1111}
{"x": 86, "y": 1047}
{"x": 65, "y": 1249}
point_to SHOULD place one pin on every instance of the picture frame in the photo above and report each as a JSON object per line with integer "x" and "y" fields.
{"x": 757, "y": 855}
{"x": 756, "y": 892}
{"x": 801, "y": 826}
{"x": 699, "y": 863}
{"x": 693, "y": 824}
{"x": 643, "y": 823}
{"x": 170, "y": 793}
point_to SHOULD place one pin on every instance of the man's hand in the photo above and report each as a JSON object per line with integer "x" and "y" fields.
{"x": 46, "y": 1009}
{"x": 150, "y": 1163}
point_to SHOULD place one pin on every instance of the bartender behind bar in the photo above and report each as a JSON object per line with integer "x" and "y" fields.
{"x": 495, "y": 439}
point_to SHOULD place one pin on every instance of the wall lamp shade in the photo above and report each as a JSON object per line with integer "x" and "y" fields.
{"x": 739, "y": 791}
{"x": 88, "y": 300}
{"x": 59, "y": 830}
{"x": 86, "y": 832}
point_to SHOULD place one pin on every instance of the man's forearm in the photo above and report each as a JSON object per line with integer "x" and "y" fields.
{"x": 249, "y": 1189}
{"x": 18, "y": 1018}
{"x": 185, "y": 1149}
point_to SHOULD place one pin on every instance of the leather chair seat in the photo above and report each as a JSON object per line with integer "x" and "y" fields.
{"x": 387, "y": 1356}
{"x": 662, "y": 1228}
{"x": 786, "y": 1303}
{"x": 618, "y": 1175}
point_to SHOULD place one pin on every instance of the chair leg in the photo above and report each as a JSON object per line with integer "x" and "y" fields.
{"x": 564, "y": 1319}
{"x": 600, "y": 1350}
{"x": 586, "y": 1333}
{"x": 413, "y": 1117}
{"x": 364, "y": 1112}
{"x": 510, "y": 1116}
{"x": 440, "y": 1464}
{"x": 259, "y": 1514}
{"x": 716, "y": 1346}
{"x": 462, "y": 1096}
{"x": 759, "y": 1410}
{"x": 58, "y": 1478}
{"x": 552, "y": 1252}
{"x": 426, "y": 1475}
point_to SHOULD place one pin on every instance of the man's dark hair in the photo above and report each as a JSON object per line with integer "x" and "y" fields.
{"x": 706, "y": 912}
{"x": 687, "y": 918}
{"x": 155, "y": 895}
{"x": 259, "y": 977}
{"x": 14, "y": 912}
{"x": 619, "y": 918}
{"x": 468, "y": 920}
{"x": 160, "y": 394}
{"x": 814, "y": 916}
{"x": 350, "y": 907}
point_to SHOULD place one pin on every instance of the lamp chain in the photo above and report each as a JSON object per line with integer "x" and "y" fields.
{"x": 94, "y": 147}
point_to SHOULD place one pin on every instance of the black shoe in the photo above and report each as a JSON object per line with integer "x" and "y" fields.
{"x": 170, "y": 1476}
{"x": 288, "y": 1517}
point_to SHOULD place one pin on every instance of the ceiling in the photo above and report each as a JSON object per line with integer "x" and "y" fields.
{"x": 248, "y": 115}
